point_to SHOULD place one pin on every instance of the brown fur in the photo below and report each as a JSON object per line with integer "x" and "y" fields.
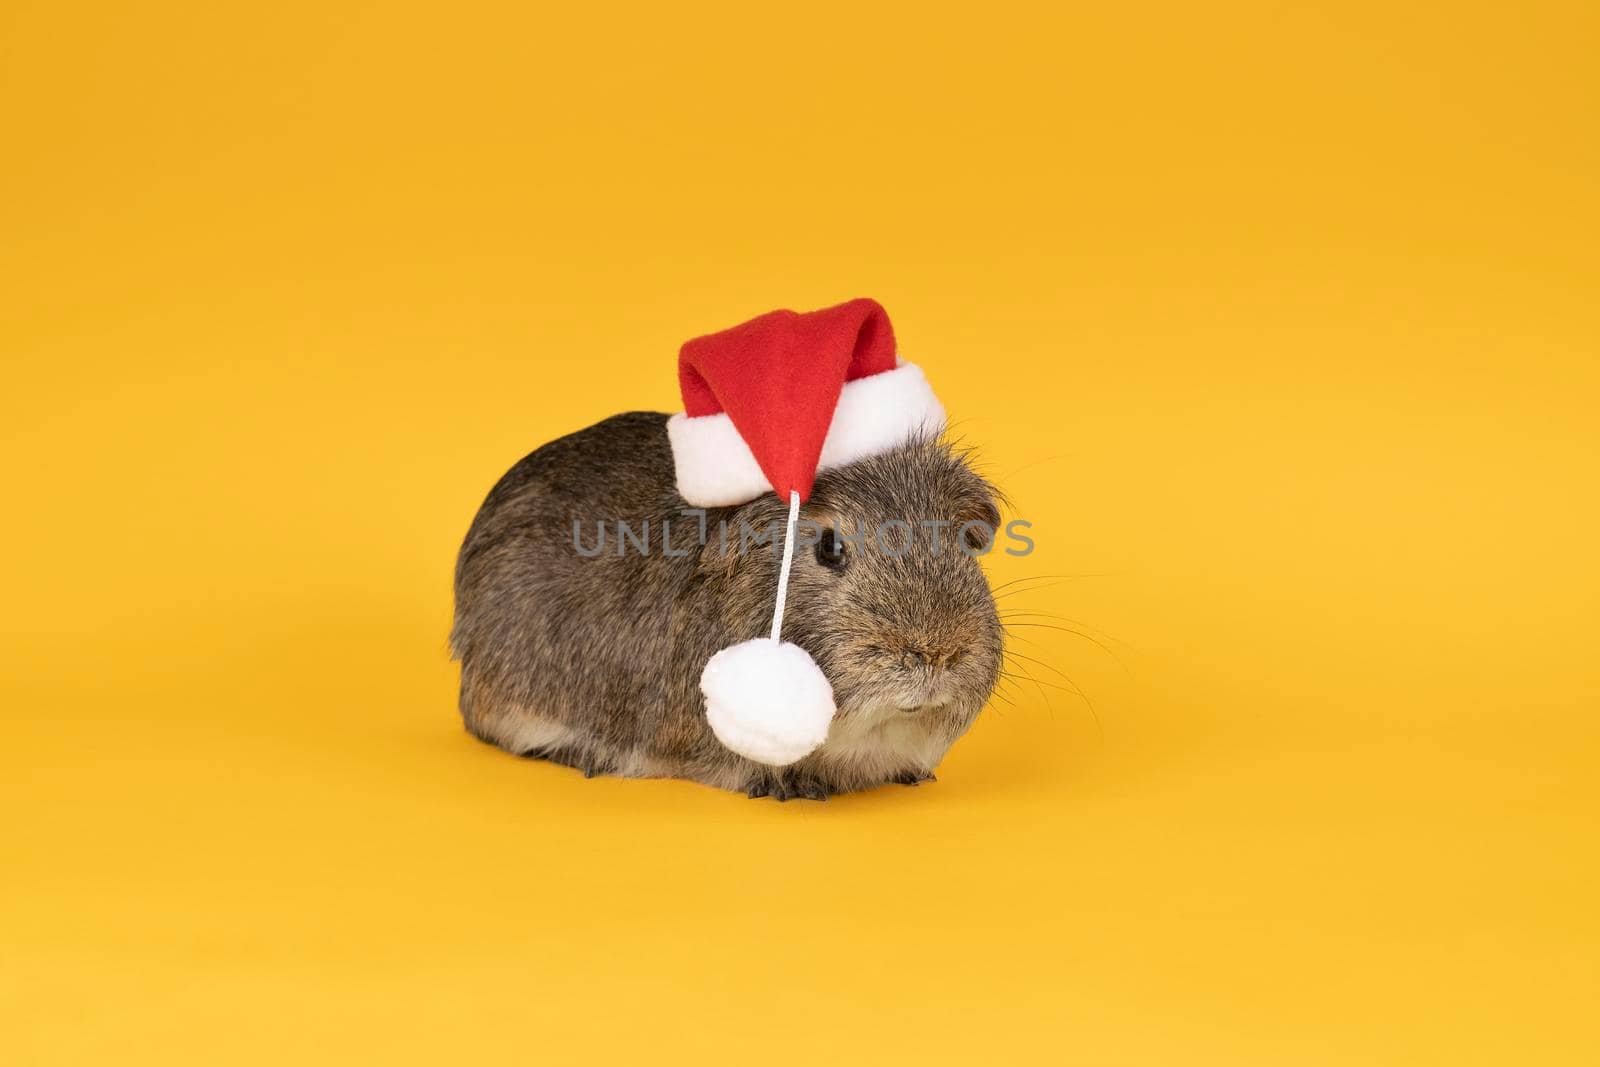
{"x": 595, "y": 662}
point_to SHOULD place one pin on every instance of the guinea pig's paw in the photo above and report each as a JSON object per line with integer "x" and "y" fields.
{"x": 804, "y": 787}
{"x": 767, "y": 700}
{"x": 800, "y": 787}
{"x": 913, "y": 777}
{"x": 785, "y": 785}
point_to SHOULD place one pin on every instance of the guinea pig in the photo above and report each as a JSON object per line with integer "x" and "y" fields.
{"x": 589, "y": 596}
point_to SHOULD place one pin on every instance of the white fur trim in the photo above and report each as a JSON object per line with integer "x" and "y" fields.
{"x": 715, "y": 468}
{"x": 878, "y": 413}
{"x": 767, "y": 700}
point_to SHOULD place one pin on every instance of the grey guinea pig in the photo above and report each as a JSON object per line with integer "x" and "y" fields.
{"x": 594, "y": 660}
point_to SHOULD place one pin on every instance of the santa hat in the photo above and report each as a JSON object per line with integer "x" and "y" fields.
{"x": 767, "y": 405}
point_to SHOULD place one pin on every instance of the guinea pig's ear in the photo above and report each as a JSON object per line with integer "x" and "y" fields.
{"x": 980, "y": 520}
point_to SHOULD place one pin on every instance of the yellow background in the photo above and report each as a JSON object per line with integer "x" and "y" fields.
{"x": 1277, "y": 321}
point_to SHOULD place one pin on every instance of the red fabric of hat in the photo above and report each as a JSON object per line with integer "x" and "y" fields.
{"x": 778, "y": 378}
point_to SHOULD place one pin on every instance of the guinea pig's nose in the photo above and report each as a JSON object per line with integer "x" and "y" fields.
{"x": 913, "y": 658}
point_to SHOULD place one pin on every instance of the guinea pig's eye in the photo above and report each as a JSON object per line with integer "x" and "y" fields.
{"x": 830, "y": 550}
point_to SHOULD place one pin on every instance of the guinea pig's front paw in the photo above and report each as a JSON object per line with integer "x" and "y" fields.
{"x": 913, "y": 777}
{"x": 787, "y": 785}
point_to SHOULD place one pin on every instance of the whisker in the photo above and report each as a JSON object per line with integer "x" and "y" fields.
{"x": 1077, "y": 633}
{"x": 1006, "y": 592}
{"x": 1039, "y": 578}
{"x": 1052, "y": 579}
{"x": 1033, "y": 464}
{"x": 1071, "y": 687}
{"x": 1040, "y": 682}
{"x": 1080, "y": 623}
{"x": 1043, "y": 695}
{"x": 1076, "y": 690}
{"x": 1042, "y": 663}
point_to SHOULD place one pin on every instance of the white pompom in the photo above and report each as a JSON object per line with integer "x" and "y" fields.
{"x": 767, "y": 700}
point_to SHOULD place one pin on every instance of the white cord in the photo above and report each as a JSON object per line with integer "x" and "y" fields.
{"x": 788, "y": 558}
